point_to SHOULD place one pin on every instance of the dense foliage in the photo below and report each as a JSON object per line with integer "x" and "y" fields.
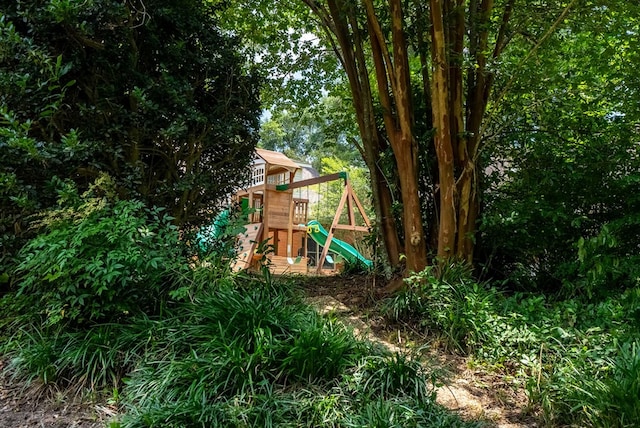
{"x": 216, "y": 348}
{"x": 561, "y": 207}
{"x": 573, "y": 226}
{"x": 578, "y": 361}
{"x": 99, "y": 260}
{"x": 152, "y": 92}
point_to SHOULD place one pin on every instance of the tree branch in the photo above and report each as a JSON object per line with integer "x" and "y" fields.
{"x": 533, "y": 50}
{"x": 374, "y": 25}
{"x": 501, "y": 40}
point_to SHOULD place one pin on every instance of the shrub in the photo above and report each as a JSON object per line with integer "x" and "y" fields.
{"x": 609, "y": 260}
{"x": 571, "y": 226}
{"x": 99, "y": 261}
{"x": 451, "y": 304}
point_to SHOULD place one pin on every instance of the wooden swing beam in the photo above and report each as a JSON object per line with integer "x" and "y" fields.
{"x": 348, "y": 197}
{"x": 311, "y": 181}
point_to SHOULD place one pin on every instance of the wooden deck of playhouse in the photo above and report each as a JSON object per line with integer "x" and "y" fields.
{"x": 280, "y": 219}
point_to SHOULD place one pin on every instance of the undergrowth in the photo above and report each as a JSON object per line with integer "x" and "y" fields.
{"x": 98, "y": 259}
{"x": 107, "y": 303}
{"x": 258, "y": 356}
{"x": 244, "y": 354}
{"x": 577, "y": 359}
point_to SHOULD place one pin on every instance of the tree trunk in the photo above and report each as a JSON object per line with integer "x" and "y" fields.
{"x": 394, "y": 87}
{"x": 443, "y": 142}
{"x": 383, "y": 203}
{"x": 341, "y": 22}
{"x": 415, "y": 245}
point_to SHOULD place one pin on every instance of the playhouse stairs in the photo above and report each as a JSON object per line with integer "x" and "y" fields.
{"x": 279, "y": 265}
{"x": 247, "y": 243}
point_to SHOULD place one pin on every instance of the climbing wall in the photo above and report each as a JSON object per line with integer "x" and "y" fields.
{"x": 247, "y": 243}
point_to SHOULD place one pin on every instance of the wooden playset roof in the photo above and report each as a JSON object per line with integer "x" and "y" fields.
{"x": 277, "y": 159}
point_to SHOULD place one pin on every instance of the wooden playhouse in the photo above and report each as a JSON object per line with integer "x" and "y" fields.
{"x": 280, "y": 218}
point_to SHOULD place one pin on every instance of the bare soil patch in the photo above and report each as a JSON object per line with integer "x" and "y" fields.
{"x": 44, "y": 407}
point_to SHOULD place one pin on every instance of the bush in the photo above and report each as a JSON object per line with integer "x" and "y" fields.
{"x": 608, "y": 260}
{"x": 99, "y": 261}
{"x": 572, "y": 226}
{"x": 450, "y": 303}
{"x": 578, "y": 359}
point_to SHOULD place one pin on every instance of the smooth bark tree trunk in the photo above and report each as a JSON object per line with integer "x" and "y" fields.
{"x": 443, "y": 142}
{"x": 340, "y": 20}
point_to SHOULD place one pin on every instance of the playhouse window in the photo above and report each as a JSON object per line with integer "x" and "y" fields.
{"x": 276, "y": 179}
{"x": 258, "y": 176}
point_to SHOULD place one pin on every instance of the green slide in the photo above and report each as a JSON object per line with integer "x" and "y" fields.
{"x": 319, "y": 234}
{"x": 208, "y": 235}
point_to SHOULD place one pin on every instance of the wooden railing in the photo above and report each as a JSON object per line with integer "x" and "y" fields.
{"x": 256, "y": 217}
{"x": 300, "y": 211}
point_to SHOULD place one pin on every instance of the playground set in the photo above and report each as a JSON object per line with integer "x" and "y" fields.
{"x": 280, "y": 218}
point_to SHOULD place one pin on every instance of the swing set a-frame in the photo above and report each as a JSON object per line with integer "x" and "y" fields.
{"x": 281, "y": 220}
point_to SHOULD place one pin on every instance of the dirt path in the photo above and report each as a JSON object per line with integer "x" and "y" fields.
{"x": 474, "y": 394}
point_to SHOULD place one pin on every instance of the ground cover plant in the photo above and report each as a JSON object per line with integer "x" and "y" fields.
{"x": 257, "y": 356}
{"x": 250, "y": 354}
{"x": 578, "y": 360}
{"x": 109, "y": 302}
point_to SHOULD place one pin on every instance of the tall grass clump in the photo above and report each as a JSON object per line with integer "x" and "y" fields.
{"x": 448, "y": 303}
{"x": 236, "y": 342}
{"x": 594, "y": 382}
{"x": 95, "y": 358}
{"x": 588, "y": 372}
{"x": 255, "y": 355}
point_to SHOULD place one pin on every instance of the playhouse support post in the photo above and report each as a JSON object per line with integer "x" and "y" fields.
{"x": 250, "y": 205}
{"x": 360, "y": 208}
{"x": 292, "y": 205}
{"x": 265, "y": 205}
{"x": 352, "y": 217}
{"x": 336, "y": 219}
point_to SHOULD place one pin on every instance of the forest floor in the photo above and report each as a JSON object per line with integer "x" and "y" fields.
{"x": 36, "y": 406}
{"x": 473, "y": 392}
